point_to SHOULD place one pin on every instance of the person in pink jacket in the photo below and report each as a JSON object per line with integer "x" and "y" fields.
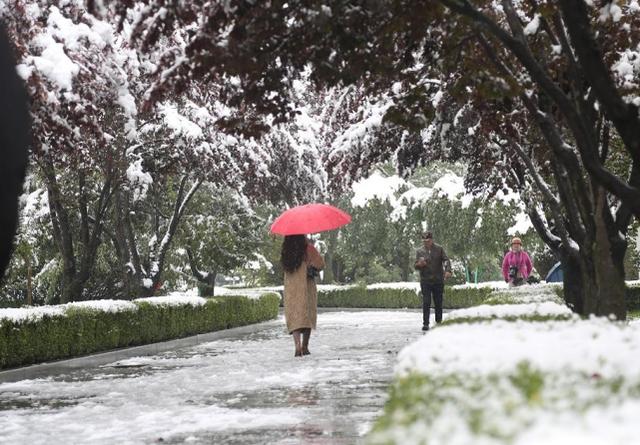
{"x": 516, "y": 266}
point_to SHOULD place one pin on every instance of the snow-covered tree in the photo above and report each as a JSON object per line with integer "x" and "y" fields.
{"x": 564, "y": 74}
{"x": 220, "y": 234}
{"x": 114, "y": 170}
{"x": 74, "y": 66}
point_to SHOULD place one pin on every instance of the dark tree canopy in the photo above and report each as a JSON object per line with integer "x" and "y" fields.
{"x": 535, "y": 95}
{"x": 256, "y": 49}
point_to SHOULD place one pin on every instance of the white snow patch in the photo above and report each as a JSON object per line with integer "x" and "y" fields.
{"x": 55, "y": 65}
{"x": 378, "y": 187}
{"x": 139, "y": 179}
{"x": 452, "y": 187}
{"x": 532, "y": 26}
{"x": 546, "y": 308}
{"x": 521, "y": 226}
{"x": 179, "y": 123}
{"x": 173, "y": 300}
{"x": 499, "y": 346}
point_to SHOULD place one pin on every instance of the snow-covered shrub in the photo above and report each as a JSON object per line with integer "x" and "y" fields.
{"x": 541, "y": 311}
{"x": 343, "y": 296}
{"x": 633, "y": 296}
{"x": 488, "y": 374}
{"x": 460, "y": 297}
{"x": 33, "y": 335}
{"x": 396, "y": 295}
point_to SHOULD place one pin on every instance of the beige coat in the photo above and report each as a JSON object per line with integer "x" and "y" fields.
{"x": 300, "y": 294}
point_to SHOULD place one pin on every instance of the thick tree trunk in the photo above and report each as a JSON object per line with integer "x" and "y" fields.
{"x": 128, "y": 261}
{"x": 206, "y": 279}
{"x": 158, "y": 256}
{"x": 594, "y": 283}
{"x": 608, "y": 262}
{"x": 208, "y": 284}
{"x": 572, "y": 283}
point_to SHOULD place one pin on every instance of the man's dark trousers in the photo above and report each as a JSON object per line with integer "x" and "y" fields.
{"x": 429, "y": 289}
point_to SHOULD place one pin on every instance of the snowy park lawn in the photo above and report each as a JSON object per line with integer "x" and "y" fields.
{"x": 524, "y": 373}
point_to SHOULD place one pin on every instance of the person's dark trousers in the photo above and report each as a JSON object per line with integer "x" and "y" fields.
{"x": 428, "y": 290}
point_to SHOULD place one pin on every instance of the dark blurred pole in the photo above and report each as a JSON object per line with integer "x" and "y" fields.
{"x": 14, "y": 140}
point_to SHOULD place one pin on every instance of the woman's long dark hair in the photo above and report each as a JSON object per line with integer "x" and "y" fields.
{"x": 293, "y": 249}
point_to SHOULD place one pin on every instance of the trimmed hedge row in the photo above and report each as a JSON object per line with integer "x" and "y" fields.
{"x": 458, "y": 298}
{"x": 84, "y": 331}
{"x": 632, "y": 297}
{"x": 393, "y": 298}
{"x": 361, "y": 297}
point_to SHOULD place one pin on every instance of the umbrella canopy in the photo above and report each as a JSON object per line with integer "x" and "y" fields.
{"x": 309, "y": 218}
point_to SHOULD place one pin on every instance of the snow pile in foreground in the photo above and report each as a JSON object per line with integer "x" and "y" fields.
{"x": 503, "y": 381}
{"x": 584, "y": 346}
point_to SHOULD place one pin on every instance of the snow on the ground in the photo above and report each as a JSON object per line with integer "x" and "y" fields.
{"x": 544, "y": 309}
{"x": 228, "y": 387}
{"x": 590, "y": 346}
{"x": 498, "y": 382}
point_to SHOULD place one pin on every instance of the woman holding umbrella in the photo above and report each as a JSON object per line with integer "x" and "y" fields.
{"x": 301, "y": 261}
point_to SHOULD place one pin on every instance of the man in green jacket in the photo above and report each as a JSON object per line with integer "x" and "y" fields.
{"x": 434, "y": 267}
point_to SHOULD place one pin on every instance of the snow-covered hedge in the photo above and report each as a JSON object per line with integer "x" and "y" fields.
{"x": 524, "y": 373}
{"x": 633, "y": 295}
{"x": 33, "y": 335}
{"x": 407, "y": 294}
{"x": 396, "y": 295}
{"x": 383, "y": 295}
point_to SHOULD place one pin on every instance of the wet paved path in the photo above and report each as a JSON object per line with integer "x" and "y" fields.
{"x": 243, "y": 390}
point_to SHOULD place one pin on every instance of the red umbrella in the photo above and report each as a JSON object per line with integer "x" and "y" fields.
{"x": 309, "y": 218}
